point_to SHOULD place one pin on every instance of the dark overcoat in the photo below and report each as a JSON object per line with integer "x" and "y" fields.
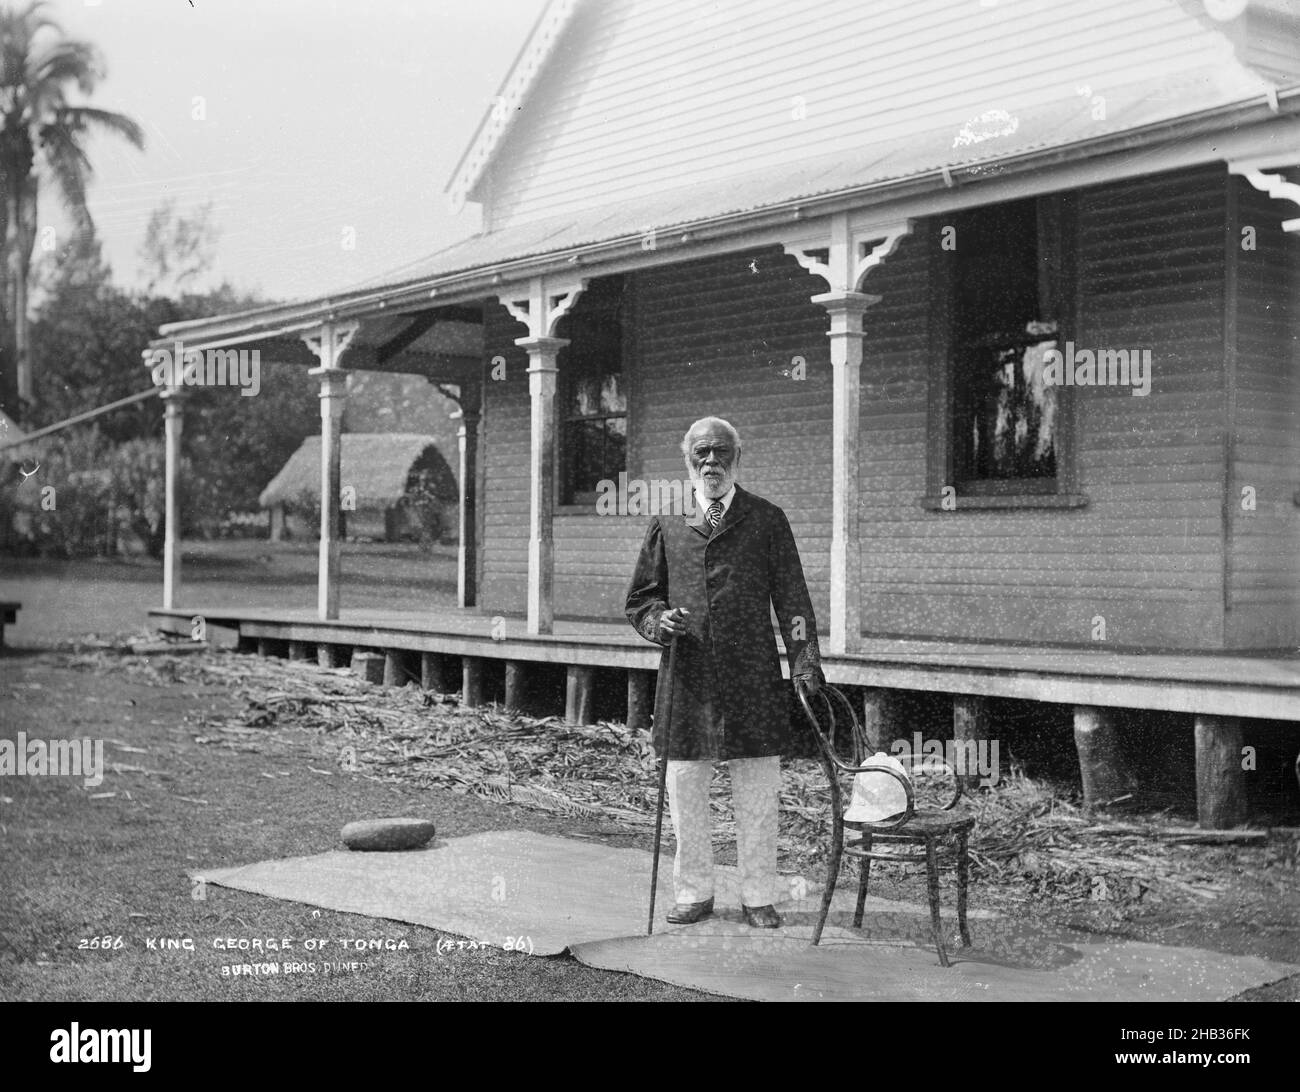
{"x": 729, "y": 699}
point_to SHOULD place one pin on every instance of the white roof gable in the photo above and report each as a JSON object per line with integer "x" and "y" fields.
{"x": 508, "y": 100}
{"x": 617, "y": 101}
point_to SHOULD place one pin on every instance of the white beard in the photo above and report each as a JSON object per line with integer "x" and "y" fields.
{"x": 715, "y": 488}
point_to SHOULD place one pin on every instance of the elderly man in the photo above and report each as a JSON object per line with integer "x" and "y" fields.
{"x": 709, "y": 583}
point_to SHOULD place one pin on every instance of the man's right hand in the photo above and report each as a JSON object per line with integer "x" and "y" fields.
{"x": 672, "y": 623}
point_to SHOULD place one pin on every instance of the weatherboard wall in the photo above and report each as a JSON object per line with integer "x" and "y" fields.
{"x": 718, "y": 335}
{"x": 1144, "y": 556}
{"x": 1262, "y": 341}
{"x": 503, "y": 551}
{"x": 1141, "y": 564}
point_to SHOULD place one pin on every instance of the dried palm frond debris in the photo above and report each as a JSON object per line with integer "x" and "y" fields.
{"x": 1030, "y": 839}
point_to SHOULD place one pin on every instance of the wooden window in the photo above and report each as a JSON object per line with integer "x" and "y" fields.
{"x": 1004, "y": 296}
{"x": 592, "y": 409}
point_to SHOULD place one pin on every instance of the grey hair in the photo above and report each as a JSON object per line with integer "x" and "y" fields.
{"x": 726, "y": 426}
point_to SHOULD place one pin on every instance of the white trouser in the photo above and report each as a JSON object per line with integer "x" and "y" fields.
{"x": 755, "y": 783}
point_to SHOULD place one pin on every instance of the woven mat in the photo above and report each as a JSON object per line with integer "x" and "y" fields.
{"x": 591, "y": 899}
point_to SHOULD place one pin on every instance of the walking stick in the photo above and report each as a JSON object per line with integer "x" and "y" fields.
{"x": 663, "y": 779}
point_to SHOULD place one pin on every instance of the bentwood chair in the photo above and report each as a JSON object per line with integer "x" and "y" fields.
{"x": 943, "y": 831}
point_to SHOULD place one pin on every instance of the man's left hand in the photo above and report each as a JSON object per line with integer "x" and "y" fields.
{"x": 812, "y": 681}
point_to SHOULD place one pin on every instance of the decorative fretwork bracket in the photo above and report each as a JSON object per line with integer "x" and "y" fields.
{"x": 329, "y": 341}
{"x": 843, "y": 255}
{"x": 542, "y": 302}
{"x": 1273, "y": 184}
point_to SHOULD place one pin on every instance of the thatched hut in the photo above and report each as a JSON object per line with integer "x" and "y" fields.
{"x": 391, "y": 486}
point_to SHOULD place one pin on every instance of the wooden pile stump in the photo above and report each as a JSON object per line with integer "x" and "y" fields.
{"x": 640, "y": 699}
{"x": 580, "y": 695}
{"x": 1220, "y": 780}
{"x": 437, "y": 673}
{"x": 368, "y": 664}
{"x": 471, "y": 681}
{"x": 1104, "y": 772}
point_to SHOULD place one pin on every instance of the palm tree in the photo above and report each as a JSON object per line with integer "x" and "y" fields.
{"x": 42, "y": 138}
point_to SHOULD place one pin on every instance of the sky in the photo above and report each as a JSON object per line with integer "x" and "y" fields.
{"x": 306, "y": 123}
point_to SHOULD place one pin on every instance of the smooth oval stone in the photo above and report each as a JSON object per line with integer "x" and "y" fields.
{"x": 385, "y": 834}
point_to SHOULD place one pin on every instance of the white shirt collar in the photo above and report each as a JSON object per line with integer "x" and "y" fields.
{"x": 703, "y": 502}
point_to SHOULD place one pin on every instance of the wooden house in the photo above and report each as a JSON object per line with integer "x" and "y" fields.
{"x": 1003, "y": 296}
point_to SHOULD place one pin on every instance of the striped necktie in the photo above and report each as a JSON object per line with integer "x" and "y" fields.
{"x": 714, "y": 514}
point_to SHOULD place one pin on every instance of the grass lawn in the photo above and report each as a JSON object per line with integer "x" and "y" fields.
{"x": 113, "y": 595}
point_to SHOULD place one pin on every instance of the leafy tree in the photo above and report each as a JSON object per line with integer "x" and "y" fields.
{"x": 137, "y": 470}
{"x": 101, "y": 492}
{"x": 65, "y": 508}
{"x": 238, "y": 444}
{"x": 43, "y": 137}
{"x": 87, "y": 339}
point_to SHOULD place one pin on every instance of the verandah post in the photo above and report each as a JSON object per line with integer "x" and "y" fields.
{"x": 842, "y": 252}
{"x": 846, "y": 310}
{"x": 328, "y": 343}
{"x": 539, "y": 305}
{"x": 174, "y": 422}
{"x": 469, "y": 416}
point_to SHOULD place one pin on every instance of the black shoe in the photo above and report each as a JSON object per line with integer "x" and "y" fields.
{"x": 762, "y": 917}
{"x": 688, "y": 913}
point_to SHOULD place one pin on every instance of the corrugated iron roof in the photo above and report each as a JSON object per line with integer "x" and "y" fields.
{"x": 984, "y": 139}
{"x": 1143, "y": 112}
